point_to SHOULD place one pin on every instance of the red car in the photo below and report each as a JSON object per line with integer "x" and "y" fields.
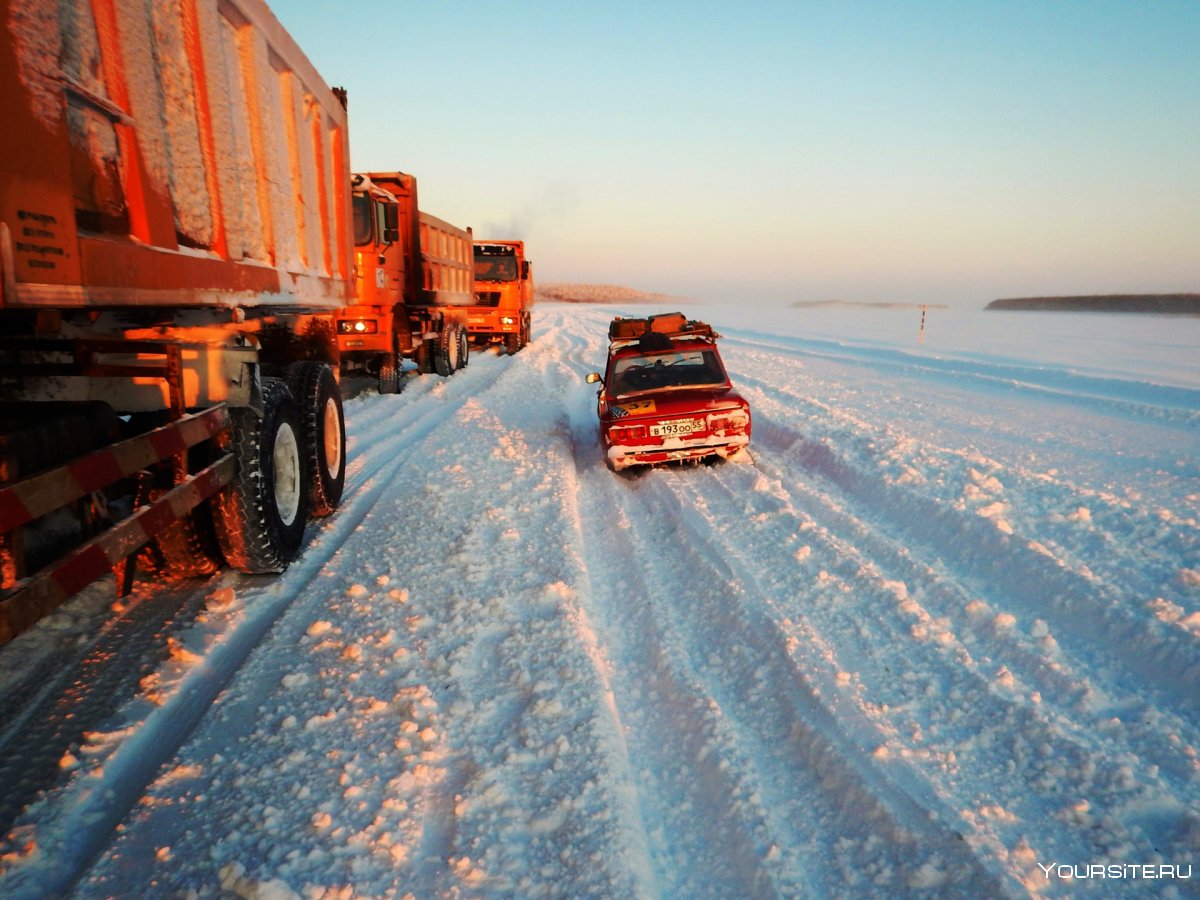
{"x": 666, "y": 396}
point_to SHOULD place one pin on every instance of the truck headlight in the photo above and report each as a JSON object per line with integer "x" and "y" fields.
{"x": 357, "y": 326}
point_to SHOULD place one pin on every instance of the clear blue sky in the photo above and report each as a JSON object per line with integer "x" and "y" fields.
{"x": 941, "y": 151}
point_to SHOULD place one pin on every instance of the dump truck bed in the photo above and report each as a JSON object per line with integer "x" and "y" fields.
{"x": 177, "y": 154}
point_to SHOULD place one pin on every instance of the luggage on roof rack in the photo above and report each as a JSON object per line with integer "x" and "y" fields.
{"x": 669, "y": 324}
{"x": 622, "y": 329}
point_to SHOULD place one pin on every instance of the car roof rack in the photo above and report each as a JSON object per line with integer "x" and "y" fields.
{"x": 623, "y": 331}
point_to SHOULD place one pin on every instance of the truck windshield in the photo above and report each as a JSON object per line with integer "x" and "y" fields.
{"x": 495, "y": 268}
{"x": 362, "y": 220}
{"x": 677, "y": 369}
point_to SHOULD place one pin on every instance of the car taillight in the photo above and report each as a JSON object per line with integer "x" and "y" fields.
{"x": 620, "y": 434}
{"x": 734, "y": 420}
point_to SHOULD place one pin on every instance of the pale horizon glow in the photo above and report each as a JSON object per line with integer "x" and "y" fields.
{"x": 792, "y": 151}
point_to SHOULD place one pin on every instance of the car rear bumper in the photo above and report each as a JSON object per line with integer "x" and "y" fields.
{"x": 622, "y": 457}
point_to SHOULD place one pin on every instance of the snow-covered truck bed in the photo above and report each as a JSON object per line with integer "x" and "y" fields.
{"x": 174, "y": 236}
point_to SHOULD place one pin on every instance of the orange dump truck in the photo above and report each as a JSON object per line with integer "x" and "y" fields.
{"x": 175, "y": 236}
{"x": 414, "y": 285}
{"x": 503, "y": 295}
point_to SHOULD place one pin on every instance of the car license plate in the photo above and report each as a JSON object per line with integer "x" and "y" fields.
{"x": 677, "y": 427}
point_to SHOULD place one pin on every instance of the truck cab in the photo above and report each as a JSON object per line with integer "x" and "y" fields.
{"x": 364, "y": 333}
{"x": 503, "y": 295}
{"x": 413, "y": 284}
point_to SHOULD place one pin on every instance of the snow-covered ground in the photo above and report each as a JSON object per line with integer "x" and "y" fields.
{"x": 941, "y": 636}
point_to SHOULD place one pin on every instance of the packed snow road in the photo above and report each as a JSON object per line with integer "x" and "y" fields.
{"x": 941, "y": 635}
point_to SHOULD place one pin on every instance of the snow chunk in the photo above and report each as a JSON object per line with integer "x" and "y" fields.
{"x": 1174, "y": 614}
{"x": 927, "y": 877}
{"x": 987, "y": 483}
{"x": 235, "y": 881}
{"x": 316, "y": 629}
{"x": 1082, "y": 515}
{"x": 1005, "y": 621}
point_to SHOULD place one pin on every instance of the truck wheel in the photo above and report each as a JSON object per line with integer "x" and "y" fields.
{"x": 512, "y": 343}
{"x": 260, "y": 515}
{"x": 184, "y": 549}
{"x": 389, "y": 378}
{"x": 464, "y": 347}
{"x": 445, "y": 353}
{"x": 316, "y": 391}
{"x": 423, "y": 357}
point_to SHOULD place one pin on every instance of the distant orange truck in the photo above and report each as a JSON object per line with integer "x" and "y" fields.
{"x": 413, "y": 285}
{"x": 503, "y": 295}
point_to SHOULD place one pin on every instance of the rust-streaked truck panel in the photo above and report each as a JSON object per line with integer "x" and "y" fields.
{"x": 180, "y": 154}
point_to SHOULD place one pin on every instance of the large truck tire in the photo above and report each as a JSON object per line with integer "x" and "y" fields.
{"x": 464, "y": 347}
{"x": 260, "y": 516}
{"x": 423, "y": 357}
{"x": 389, "y": 377}
{"x": 446, "y": 350}
{"x": 514, "y": 342}
{"x": 324, "y": 424}
{"x": 185, "y": 549}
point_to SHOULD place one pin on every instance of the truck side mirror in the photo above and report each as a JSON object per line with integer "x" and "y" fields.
{"x": 592, "y": 377}
{"x": 391, "y": 235}
{"x": 524, "y": 270}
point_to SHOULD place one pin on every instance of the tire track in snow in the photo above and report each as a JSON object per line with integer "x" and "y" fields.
{"x": 1074, "y": 701}
{"x": 670, "y": 733}
{"x": 1144, "y": 763}
{"x": 776, "y": 709}
{"x": 1086, "y": 616}
{"x": 717, "y": 735}
{"x": 517, "y": 659}
{"x": 952, "y": 714}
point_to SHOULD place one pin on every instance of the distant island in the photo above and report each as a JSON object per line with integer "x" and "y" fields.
{"x": 600, "y": 293}
{"x": 1168, "y": 304}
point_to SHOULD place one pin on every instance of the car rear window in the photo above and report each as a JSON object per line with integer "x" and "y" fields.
{"x": 667, "y": 370}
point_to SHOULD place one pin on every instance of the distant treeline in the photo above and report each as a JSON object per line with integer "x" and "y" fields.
{"x": 599, "y": 293}
{"x": 1173, "y": 304}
